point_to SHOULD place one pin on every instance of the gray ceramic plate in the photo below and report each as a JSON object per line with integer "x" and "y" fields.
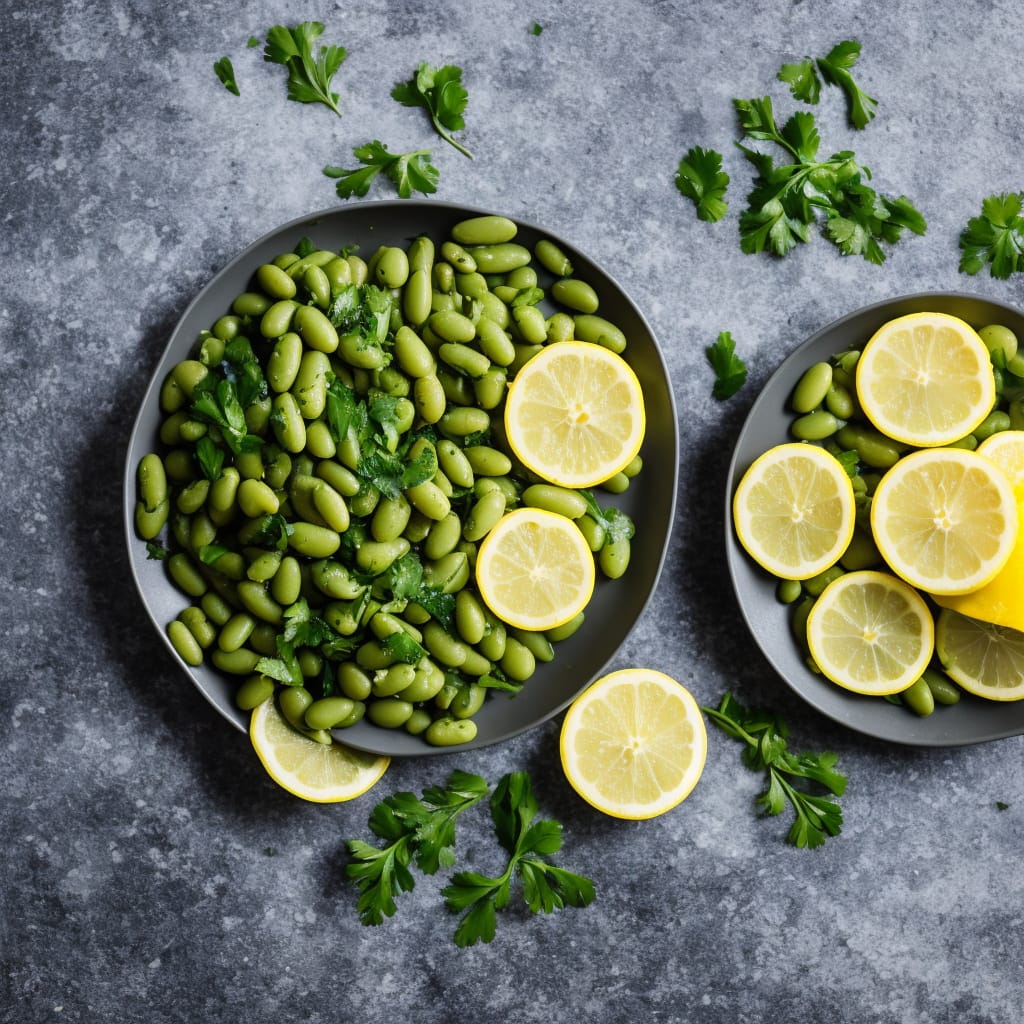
{"x": 972, "y": 720}
{"x": 615, "y": 607}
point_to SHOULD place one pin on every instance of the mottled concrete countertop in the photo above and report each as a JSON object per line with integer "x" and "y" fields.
{"x": 152, "y": 871}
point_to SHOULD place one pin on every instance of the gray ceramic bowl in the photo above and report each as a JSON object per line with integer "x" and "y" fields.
{"x": 972, "y": 720}
{"x": 650, "y": 500}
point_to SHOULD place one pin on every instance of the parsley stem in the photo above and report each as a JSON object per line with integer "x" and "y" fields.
{"x": 447, "y": 138}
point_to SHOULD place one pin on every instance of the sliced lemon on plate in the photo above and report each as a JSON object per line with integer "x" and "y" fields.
{"x": 985, "y": 659}
{"x": 871, "y": 633}
{"x": 322, "y": 773}
{"x": 574, "y": 414}
{"x": 794, "y": 510}
{"x": 633, "y": 744}
{"x": 535, "y": 569}
{"x": 925, "y": 379}
{"x": 945, "y": 520}
{"x": 1006, "y": 449}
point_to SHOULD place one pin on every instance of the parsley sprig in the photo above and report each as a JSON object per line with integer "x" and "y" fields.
{"x": 309, "y": 74}
{"x": 441, "y": 93}
{"x": 420, "y": 833}
{"x": 410, "y": 172}
{"x": 765, "y": 735}
{"x": 225, "y": 71}
{"x": 529, "y": 843}
{"x": 415, "y": 831}
{"x": 788, "y": 198}
{"x": 995, "y": 238}
{"x": 835, "y": 68}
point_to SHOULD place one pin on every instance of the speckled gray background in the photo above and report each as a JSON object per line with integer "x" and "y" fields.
{"x": 152, "y": 872}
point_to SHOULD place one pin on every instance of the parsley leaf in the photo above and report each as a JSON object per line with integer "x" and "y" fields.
{"x": 616, "y": 524}
{"x": 530, "y": 843}
{"x": 155, "y": 550}
{"x": 309, "y": 75}
{"x": 996, "y": 238}
{"x": 815, "y": 816}
{"x": 209, "y": 457}
{"x": 836, "y": 69}
{"x": 730, "y": 370}
{"x": 226, "y": 73}
{"x": 700, "y": 177}
{"x": 441, "y": 93}
{"x": 410, "y": 172}
{"x": 420, "y": 831}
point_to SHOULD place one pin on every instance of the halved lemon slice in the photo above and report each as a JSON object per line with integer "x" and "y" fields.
{"x": 925, "y": 379}
{"x": 633, "y": 744}
{"x": 535, "y": 569}
{"x": 1006, "y": 449}
{"x": 314, "y": 771}
{"x": 870, "y": 632}
{"x": 945, "y": 520}
{"x": 794, "y": 511}
{"x": 985, "y": 659}
{"x": 574, "y": 414}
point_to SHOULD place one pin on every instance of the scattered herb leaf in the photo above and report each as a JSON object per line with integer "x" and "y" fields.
{"x": 816, "y": 817}
{"x": 536, "y": 28}
{"x": 410, "y": 172}
{"x": 700, "y": 177}
{"x": 253, "y": 42}
{"x": 155, "y": 550}
{"x": 441, "y": 93}
{"x": 836, "y": 69}
{"x": 225, "y": 71}
{"x": 730, "y": 370}
{"x": 309, "y": 75}
{"x": 996, "y": 238}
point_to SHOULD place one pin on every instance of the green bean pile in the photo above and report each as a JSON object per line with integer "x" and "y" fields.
{"x": 825, "y": 402}
{"x": 330, "y": 459}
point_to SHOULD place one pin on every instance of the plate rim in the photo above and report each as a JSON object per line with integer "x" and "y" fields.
{"x": 362, "y": 208}
{"x": 737, "y": 560}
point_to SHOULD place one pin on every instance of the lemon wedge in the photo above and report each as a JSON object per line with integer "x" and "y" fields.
{"x": 1006, "y": 449}
{"x": 633, "y": 744}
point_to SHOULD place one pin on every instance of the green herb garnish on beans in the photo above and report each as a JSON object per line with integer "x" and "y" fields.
{"x": 765, "y": 736}
{"x": 226, "y": 73}
{"x": 788, "y": 198}
{"x": 410, "y": 172}
{"x": 700, "y": 177}
{"x": 309, "y": 75}
{"x": 836, "y": 69}
{"x": 730, "y": 370}
{"x": 441, "y": 93}
{"x": 996, "y": 238}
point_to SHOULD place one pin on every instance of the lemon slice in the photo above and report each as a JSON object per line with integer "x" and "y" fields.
{"x": 985, "y": 659}
{"x": 535, "y": 569}
{"x": 1006, "y": 450}
{"x": 793, "y": 510}
{"x": 945, "y": 520}
{"x": 633, "y": 744}
{"x": 314, "y": 771}
{"x": 1001, "y": 600}
{"x": 574, "y": 414}
{"x": 871, "y": 633}
{"x": 925, "y": 379}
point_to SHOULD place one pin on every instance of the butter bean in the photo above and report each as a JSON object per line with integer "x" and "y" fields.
{"x": 812, "y": 388}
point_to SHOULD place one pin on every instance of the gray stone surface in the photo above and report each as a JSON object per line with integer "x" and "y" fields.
{"x": 152, "y": 872}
